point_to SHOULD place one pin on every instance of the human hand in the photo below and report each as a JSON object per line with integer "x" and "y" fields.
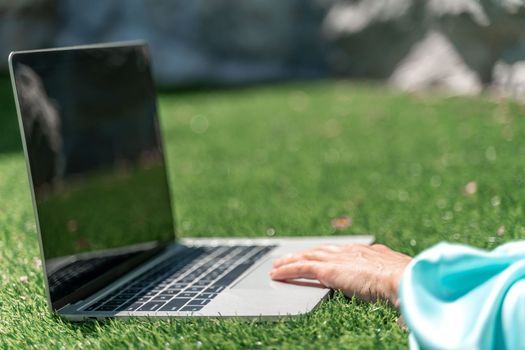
{"x": 368, "y": 272}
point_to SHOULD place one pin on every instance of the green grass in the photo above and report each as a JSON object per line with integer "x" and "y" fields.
{"x": 288, "y": 159}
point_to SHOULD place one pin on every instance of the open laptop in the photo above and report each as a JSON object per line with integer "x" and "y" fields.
{"x": 102, "y": 203}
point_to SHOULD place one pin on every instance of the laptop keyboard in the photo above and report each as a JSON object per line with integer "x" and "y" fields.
{"x": 66, "y": 279}
{"x": 186, "y": 281}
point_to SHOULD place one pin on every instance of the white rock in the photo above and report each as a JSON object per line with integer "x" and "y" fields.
{"x": 472, "y": 8}
{"x": 434, "y": 63}
{"x": 509, "y": 80}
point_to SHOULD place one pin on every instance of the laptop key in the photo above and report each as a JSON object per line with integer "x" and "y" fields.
{"x": 202, "y": 283}
{"x": 214, "y": 289}
{"x": 233, "y": 274}
{"x": 133, "y": 307}
{"x": 207, "y": 295}
{"x": 170, "y": 292}
{"x": 114, "y": 304}
{"x": 191, "y": 308}
{"x": 151, "y": 306}
{"x": 186, "y": 295}
{"x": 162, "y": 297}
{"x": 106, "y": 308}
{"x": 199, "y": 302}
{"x": 187, "y": 280}
{"x": 175, "y": 304}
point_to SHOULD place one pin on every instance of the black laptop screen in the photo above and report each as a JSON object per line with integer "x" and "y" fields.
{"x": 96, "y": 162}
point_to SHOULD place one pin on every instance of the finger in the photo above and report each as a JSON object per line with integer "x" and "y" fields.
{"x": 301, "y": 269}
{"x": 314, "y": 255}
{"x": 356, "y": 247}
{"x": 380, "y": 248}
{"x": 329, "y": 248}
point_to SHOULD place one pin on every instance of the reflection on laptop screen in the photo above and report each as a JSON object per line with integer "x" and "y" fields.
{"x": 97, "y": 167}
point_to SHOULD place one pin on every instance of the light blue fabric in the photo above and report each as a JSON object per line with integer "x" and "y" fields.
{"x": 457, "y": 297}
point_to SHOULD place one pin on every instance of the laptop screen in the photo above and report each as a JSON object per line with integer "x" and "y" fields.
{"x": 96, "y": 163}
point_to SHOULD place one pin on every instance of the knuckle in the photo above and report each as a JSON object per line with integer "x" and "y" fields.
{"x": 355, "y": 247}
{"x": 302, "y": 265}
{"x": 315, "y": 254}
{"x": 291, "y": 257}
{"x": 311, "y": 266}
{"x": 327, "y": 273}
{"x": 359, "y": 255}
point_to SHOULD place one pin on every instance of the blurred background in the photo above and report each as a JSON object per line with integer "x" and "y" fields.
{"x": 458, "y": 46}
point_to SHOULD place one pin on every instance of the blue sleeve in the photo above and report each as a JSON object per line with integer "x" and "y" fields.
{"x": 457, "y": 297}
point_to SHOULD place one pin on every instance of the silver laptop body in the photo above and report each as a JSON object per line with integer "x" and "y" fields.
{"x": 102, "y": 203}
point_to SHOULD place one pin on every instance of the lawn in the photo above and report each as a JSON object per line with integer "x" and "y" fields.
{"x": 285, "y": 160}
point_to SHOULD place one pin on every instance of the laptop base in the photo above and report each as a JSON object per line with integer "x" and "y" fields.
{"x": 251, "y": 295}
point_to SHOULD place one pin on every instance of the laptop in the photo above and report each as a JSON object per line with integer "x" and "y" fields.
{"x": 103, "y": 206}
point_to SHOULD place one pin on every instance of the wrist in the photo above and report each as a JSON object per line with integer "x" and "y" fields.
{"x": 395, "y": 282}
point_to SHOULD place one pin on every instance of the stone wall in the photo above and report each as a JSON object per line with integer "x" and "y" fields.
{"x": 460, "y": 46}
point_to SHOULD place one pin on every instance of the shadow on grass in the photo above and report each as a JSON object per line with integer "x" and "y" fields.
{"x": 9, "y": 133}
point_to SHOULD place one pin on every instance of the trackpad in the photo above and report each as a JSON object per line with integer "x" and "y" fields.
{"x": 260, "y": 278}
